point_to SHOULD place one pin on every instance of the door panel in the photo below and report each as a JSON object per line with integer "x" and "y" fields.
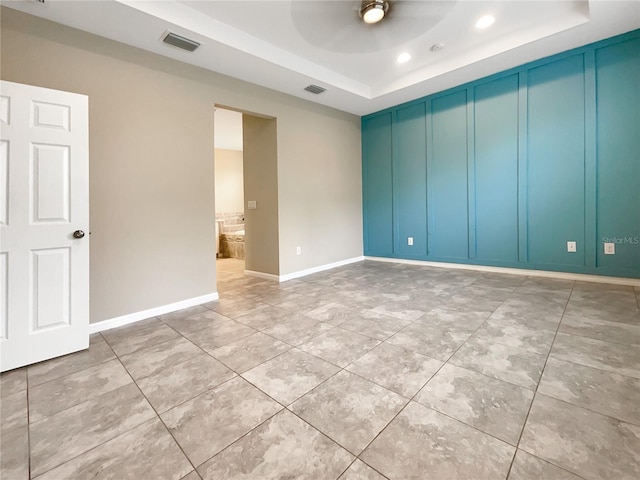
{"x": 50, "y": 288}
{"x": 4, "y": 290}
{"x": 4, "y": 182}
{"x": 48, "y": 115}
{"x": 50, "y": 183}
{"x": 44, "y": 182}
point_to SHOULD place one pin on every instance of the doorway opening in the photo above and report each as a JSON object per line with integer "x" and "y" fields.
{"x": 246, "y": 194}
{"x": 229, "y": 191}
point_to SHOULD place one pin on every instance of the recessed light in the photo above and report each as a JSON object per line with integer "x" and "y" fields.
{"x": 485, "y": 21}
{"x": 404, "y": 57}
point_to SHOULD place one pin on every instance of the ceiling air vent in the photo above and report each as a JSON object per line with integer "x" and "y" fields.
{"x": 315, "y": 89}
{"x": 180, "y": 42}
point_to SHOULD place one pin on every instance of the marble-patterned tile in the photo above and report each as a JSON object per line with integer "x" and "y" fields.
{"x": 596, "y": 292}
{"x": 192, "y": 476}
{"x": 581, "y": 441}
{"x": 183, "y": 313}
{"x": 334, "y": 313}
{"x": 284, "y": 447}
{"x": 206, "y": 424}
{"x": 500, "y": 280}
{"x": 69, "y": 433}
{"x": 349, "y": 409}
{"x": 220, "y": 334}
{"x": 402, "y": 311}
{"x": 300, "y": 303}
{"x": 290, "y": 375}
{"x": 543, "y": 285}
{"x": 614, "y": 332}
{"x": 235, "y": 308}
{"x": 516, "y": 334}
{"x": 248, "y": 352}
{"x": 14, "y": 461}
{"x": 612, "y": 357}
{"x": 374, "y": 324}
{"x": 264, "y": 318}
{"x": 506, "y": 363}
{"x": 13, "y": 381}
{"x": 182, "y": 381}
{"x": 474, "y": 299}
{"x": 130, "y": 338}
{"x": 468, "y": 321}
{"x": 606, "y": 309}
{"x": 297, "y": 329}
{"x": 604, "y": 392}
{"x": 146, "y": 451}
{"x": 194, "y": 322}
{"x": 432, "y": 340}
{"x": 156, "y": 358}
{"x": 13, "y": 411}
{"x": 65, "y": 392}
{"x": 532, "y": 311}
{"x": 422, "y": 440}
{"x": 361, "y": 471}
{"x": 98, "y": 352}
{"x": 338, "y": 346}
{"x": 528, "y": 467}
{"x": 399, "y": 370}
{"x": 493, "y": 406}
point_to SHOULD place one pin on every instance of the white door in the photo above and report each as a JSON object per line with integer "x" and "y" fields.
{"x": 44, "y": 190}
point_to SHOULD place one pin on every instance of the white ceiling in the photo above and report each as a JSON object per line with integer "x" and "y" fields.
{"x": 288, "y": 44}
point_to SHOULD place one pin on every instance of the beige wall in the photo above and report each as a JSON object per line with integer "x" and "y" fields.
{"x": 229, "y": 184}
{"x": 151, "y": 168}
{"x": 259, "y": 138}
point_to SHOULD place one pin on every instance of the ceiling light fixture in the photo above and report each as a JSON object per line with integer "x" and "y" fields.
{"x": 485, "y": 21}
{"x": 372, "y": 11}
{"x": 404, "y": 57}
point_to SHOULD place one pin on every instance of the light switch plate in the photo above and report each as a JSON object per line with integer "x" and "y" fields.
{"x": 609, "y": 248}
{"x": 410, "y": 241}
{"x": 251, "y": 205}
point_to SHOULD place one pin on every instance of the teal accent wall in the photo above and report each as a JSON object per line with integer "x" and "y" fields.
{"x": 506, "y": 170}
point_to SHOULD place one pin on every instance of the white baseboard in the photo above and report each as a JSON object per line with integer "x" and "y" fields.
{"x": 583, "y": 277}
{"x": 152, "y": 312}
{"x": 321, "y": 268}
{"x": 265, "y": 276}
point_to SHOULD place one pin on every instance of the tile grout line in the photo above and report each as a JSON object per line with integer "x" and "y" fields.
{"x": 112, "y": 438}
{"x": 154, "y": 411}
{"x": 415, "y": 395}
{"x": 535, "y": 393}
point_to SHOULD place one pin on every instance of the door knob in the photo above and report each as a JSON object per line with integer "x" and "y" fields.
{"x": 78, "y": 234}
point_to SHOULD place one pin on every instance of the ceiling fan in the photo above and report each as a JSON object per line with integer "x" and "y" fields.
{"x": 343, "y": 26}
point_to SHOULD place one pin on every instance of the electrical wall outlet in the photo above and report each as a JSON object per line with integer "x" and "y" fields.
{"x": 298, "y": 250}
{"x": 609, "y": 248}
{"x": 572, "y": 247}
{"x": 410, "y": 241}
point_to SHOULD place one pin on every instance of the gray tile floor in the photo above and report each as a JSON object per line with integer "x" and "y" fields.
{"x": 369, "y": 371}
